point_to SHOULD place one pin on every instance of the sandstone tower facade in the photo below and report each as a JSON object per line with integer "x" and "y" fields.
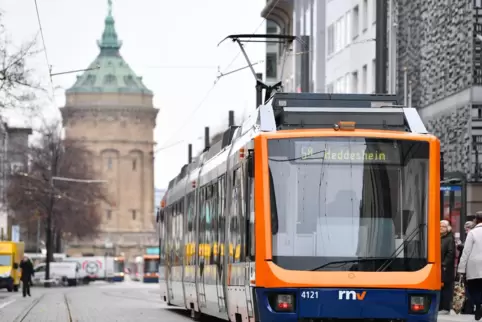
{"x": 111, "y": 111}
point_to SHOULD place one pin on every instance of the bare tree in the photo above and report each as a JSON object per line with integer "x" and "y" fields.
{"x": 17, "y": 84}
{"x": 74, "y": 205}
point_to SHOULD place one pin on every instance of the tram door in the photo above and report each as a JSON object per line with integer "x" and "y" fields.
{"x": 219, "y": 249}
{"x": 169, "y": 247}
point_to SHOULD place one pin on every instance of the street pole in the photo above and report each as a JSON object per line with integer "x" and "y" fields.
{"x": 48, "y": 232}
{"x": 38, "y": 235}
{"x": 381, "y": 48}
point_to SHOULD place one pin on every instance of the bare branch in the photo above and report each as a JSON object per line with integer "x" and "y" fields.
{"x": 76, "y": 208}
{"x": 18, "y": 87}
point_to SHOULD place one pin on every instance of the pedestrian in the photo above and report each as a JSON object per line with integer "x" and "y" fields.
{"x": 448, "y": 266}
{"x": 460, "y": 245}
{"x": 468, "y": 307}
{"x": 470, "y": 266}
{"x": 27, "y": 272}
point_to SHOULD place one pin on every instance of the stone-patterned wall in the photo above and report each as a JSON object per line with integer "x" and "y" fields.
{"x": 435, "y": 40}
{"x": 453, "y": 130}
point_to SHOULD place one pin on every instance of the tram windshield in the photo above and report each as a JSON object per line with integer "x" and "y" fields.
{"x": 357, "y": 204}
{"x": 151, "y": 265}
{"x": 119, "y": 266}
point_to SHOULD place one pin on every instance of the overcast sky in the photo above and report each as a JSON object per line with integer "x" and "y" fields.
{"x": 172, "y": 44}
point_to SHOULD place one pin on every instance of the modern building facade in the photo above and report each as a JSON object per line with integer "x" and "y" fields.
{"x": 300, "y": 65}
{"x": 272, "y": 55}
{"x": 350, "y": 46}
{"x": 111, "y": 111}
{"x": 440, "y": 45}
{"x": 13, "y": 158}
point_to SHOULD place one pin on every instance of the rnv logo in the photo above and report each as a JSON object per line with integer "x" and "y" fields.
{"x": 351, "y": 295}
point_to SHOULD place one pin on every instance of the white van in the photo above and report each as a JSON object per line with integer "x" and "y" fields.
{"x": 94, "y": 268}
{"x": 62, "y": 272}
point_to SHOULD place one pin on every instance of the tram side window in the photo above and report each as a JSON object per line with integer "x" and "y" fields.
{"x": 250, "y": 213}
{"x": 234, "y": 224}
{"x": 202, "y": 223}
{"x": 214, "y": 224}
{"x": 190, "y": 230}
{"x": 207, "y": 227}
{"x": 221, "y": 219}
{"x": 162, "y": 236}
{"x": 172, "y": 235}
{"x": 240, "y": 180}
{"x": 168, "y": 236}
{"x": 180, "y": 217}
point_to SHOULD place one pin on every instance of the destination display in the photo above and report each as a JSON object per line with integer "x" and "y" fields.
{"x": 346, "y": 152}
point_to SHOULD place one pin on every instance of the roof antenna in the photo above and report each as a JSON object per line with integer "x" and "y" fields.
{"x": 270, "y": 38}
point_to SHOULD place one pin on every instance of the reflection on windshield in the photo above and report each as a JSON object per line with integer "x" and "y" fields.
{"x": 119, "y": 266}
{"x": 5, "y": 260}
{"x": 349, "y": 199}
{"x": 151, "y": 266}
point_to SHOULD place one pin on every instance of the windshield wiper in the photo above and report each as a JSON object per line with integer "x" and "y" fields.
{"x": 399, "y": 249}
{"x": 359, "y": 260}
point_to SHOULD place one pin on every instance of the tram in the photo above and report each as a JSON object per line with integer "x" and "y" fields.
{"x": 119, "y": 269}
{"x": 150, "y": 270}
{"x": 319, "y": 206}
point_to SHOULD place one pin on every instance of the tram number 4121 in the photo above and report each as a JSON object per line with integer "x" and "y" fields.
{"x": 309, "y": 295}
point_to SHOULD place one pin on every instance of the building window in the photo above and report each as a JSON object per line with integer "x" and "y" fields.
{"x": 374, "y": 11}
{"x": 354, "y": 82}
{"x": 355, "y": 23}
{"x": 340, "y": 85}
{"x": 130, "y": 81}
{"x": 110, "y": 80}
{"x": 329, "y": 88}
{"x": 331, "y": 39}
{"x": 109, "y": 163}
{"x": 364, "y": 79}
{"x": 271, "y": 65}
{"x": 365, "y": 15}
{"x": 308, "y": 22}
{"x": 134, "y": 164}
{"x": 89, "y": 81}
{"x": 108, "y": 214}
{"x": 374, "y": 75}
{"x": 340, "y": 34}
{"x": 348, "y": 28}
{"x": 134, "y": 214}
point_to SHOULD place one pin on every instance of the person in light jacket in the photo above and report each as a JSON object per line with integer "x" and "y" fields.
{"x": 470, "y": 266}
{"x": 468, "y": 306}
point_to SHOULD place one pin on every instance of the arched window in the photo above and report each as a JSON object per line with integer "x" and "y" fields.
{"x": 110, "y": 80}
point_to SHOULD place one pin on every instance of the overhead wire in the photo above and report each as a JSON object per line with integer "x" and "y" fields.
{"x": 216, "y": 81}
{"x": 49, "y": 66}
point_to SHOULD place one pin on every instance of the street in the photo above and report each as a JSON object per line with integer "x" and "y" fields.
{"x": 128, "y": 301}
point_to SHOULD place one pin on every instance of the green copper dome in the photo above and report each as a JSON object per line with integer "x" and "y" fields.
{"x": 109, "y": 73}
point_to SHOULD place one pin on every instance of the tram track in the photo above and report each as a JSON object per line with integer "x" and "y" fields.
{"x": 24, "y": 314}
{"x": 67, "y": 306}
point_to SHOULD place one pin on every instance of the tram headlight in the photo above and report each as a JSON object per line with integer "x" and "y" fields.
{"x": 282, "y": 302}
{"x": 419, "y": 304}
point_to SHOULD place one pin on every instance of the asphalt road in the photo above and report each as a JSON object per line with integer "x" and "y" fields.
{"x": 128, "y": 301}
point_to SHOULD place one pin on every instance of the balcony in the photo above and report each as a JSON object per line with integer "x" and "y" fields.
{"x": 279, "y": 11}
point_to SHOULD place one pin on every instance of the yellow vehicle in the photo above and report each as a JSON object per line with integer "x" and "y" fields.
{"x": 11, "y": 253}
